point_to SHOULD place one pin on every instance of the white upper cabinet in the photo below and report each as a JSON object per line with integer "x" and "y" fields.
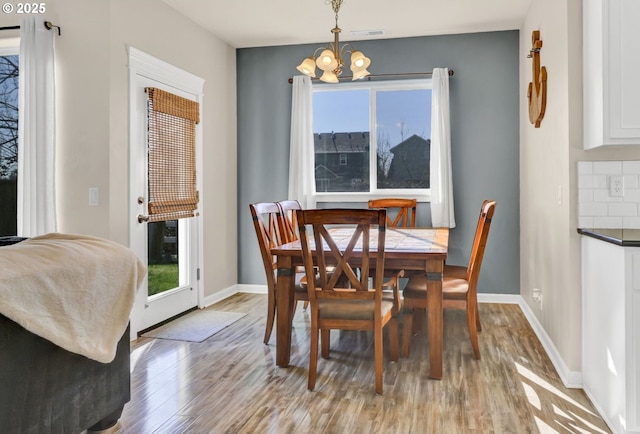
{"x": 611, "y": 70}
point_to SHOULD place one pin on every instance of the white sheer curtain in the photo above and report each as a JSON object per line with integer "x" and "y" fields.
{"x": 442, "y": 214}
{"x": 36, "y": 130}
{"x": 301, "y": 160}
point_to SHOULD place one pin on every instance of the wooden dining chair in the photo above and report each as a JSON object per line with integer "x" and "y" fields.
{"x": 459, "y": 285}
{"x": 265, "y": 221}
{"x": 287, "y": 220}
{"x": 357, "y": 305}
{"x": 288, "y": 226}
{"x": 400, "y": 212}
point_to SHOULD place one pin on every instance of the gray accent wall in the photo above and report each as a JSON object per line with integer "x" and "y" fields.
{"x": 484, "y": 94}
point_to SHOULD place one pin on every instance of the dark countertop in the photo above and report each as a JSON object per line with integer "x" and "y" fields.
{"x": 620, "y": 237}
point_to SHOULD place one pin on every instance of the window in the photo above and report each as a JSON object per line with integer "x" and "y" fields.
{"x": 372, "y": 138}
{"x": 9, "y": 81}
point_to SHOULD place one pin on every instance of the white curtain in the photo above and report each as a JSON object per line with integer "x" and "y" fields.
{"x": 36, "y": 130}
{"x": 442, "y": 214}
{"x": 302, "y": 158}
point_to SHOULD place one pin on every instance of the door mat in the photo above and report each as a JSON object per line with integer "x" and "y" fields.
{"x": 195, "y": 326}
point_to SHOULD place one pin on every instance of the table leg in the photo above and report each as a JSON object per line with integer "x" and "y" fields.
{"x": 434, "y": 295}
{"x": 285, "y": 280}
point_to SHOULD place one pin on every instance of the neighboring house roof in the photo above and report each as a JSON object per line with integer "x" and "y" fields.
{"x": 411, "y": 141}
{"x": 410, "y": 162}
{"x": 329, "y": 143}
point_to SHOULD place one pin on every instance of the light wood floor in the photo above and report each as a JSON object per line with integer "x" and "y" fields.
{"x": 230, "y": 383}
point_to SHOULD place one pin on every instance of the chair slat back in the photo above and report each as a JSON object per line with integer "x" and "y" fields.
{"x": 287, "y": 220}
{"x": 333, "y": 261}
{"x": 265, "y": 222}
{"x": 404, "y": 209}
{"x": 480, "y": 241}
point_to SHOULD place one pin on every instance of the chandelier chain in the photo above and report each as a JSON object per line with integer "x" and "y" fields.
{"x": 335, "y": 5}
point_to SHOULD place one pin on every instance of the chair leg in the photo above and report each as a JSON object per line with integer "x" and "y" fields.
{"x": 313, "y": 355}
{"x": 325, "y": 338}
{"x": 393, "y": 339}
{"x": 271, "y": 315}
{"x": 419, "y": 316}
{"x": 407, "y": 318}
{"x": 305, "y": 305}
{"x": 377, "y": 348}
{"x": 472, "y": 321}
{"x": 478, "y": 325}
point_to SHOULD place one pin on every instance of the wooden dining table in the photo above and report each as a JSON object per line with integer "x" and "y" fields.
{"x": 409, "y": 249}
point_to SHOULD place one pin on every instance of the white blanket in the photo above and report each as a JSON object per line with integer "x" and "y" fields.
{"x": 76, "y": 291}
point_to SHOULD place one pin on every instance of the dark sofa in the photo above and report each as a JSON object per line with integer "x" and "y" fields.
{"x": 46, "y": 389}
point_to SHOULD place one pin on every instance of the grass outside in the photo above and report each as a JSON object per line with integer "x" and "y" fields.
{"x": 162, "y": 277}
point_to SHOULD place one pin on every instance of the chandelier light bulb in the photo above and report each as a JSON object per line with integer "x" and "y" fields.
{"x": 327, "y": 60}
{"x": 359, "y": 65}
{"x": 308, "y": 67}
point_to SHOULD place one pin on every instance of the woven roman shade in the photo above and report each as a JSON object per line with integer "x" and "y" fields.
{"x": 171, "y": 155}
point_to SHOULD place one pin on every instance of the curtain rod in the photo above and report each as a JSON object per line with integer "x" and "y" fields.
{"x": 47, "y": 25}
{"x": 369, "y": 77}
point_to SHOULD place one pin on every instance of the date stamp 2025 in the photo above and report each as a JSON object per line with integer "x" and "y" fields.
{"x": 24, "y": 8}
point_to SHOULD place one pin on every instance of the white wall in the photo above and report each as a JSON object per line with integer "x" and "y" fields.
{"x": 550, "y": 244}
{"x": 92, "y": 118}
{"x": 545, "y": 185}
{"x": 159, "y": 30}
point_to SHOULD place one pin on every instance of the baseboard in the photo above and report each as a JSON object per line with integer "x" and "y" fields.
{"x": 499, "y": 298}
{"x": 570, "y": 379}
{"x": 232, "y": 290}
{"x": 252, "y": 289}
{"x": 613, "y": 425}
{"x": 218, "y": 296}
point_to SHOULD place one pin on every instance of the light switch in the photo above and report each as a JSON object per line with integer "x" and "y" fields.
{"x": 559, "y": 195}
{"x": 94, "y": 196}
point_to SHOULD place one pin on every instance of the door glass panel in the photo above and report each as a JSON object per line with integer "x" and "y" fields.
{"x": 163, "y": 266}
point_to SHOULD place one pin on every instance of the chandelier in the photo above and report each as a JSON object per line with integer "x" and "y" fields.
{"x": 331, "y": 59}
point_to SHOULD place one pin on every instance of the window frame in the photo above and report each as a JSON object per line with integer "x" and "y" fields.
{"x": 423, "y": 194}
{"x": 11, "y": 47}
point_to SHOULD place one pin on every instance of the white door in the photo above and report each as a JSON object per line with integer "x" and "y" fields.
{"x": 170, "y": 249}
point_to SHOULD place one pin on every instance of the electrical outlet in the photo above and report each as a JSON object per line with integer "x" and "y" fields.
{"x": 616, "y": 186}
{"x": 536, "y": 294}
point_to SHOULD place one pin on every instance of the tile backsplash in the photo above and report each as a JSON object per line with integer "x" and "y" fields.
{"x": 600, "y": 203}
